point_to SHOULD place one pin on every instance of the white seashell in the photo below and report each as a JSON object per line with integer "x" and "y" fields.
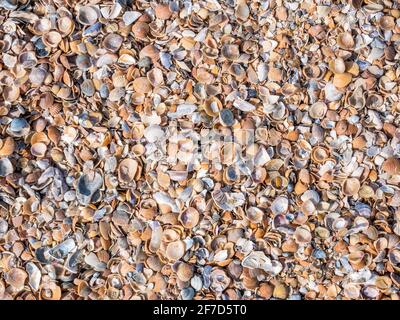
{"x": 153, "y": 133}
{"x": 130, "y": 17}
{"x": 243, "y": 105}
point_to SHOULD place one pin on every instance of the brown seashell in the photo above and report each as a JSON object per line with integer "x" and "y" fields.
{"x": 213, "y": 106}
{"x": 155, "y": 76}
{"x": 127, "y": 170}
{"x": 387, "y": 23}
{"x": 87, "y": 15}
{"x": 337, "y": 66}
{"x": 302, "y": 235}
{"x": 52, "y": 39}
{"x": 281, "y": 291}
{"x": 319, "y": 154}
{"x": 345, "y": 41}
{"x": 342, "y": 80}
{"x": 391, "y": 166}
{"x": 318, "y": 110}
{"x": 112, "y": 42}
{"x": 142, "y": 85}
{"x": 7, "y": 147}
{"x": 351, "y": 186}
{"x": 40, "y": 137}
{"x": 50, "y": 291}
{"x": 163, "y": 11}
{"x": 359, "y": 143}
{"x": 189, "y": 218}
{"x": 184, "y": 271}
{"x": 140, "y": 30}
{"x": 175, "y": 250}
{"x": 16, "y": 278}
{"x": 38, "y": 149}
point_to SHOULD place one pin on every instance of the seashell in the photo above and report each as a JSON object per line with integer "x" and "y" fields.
{"x": 87, "y": 88}
{"x": 163, "y": 11}
{"x": 281, "y": 291}
{"x": 226, "y": 117}
{"x": 155, "y": 76}
{"x": 374, "y": 101}
{"x": 38, "y": 149}
{"x": 140, "y": 30}
{"x": 88, "y": 15}
{"x": 11, "y": 94}
{"x": 345, "y": 41}
{"x": 331, "y": 93}
{"x": 34, "y": 275}
{"x": 184, "y": 271}
{"x": 280, "y": 205}
{"x": 112, "y": 42}
{"x": 387, "y": 23}
{"x": 319, "y": 154}
{"x": 219, "y": 280}
{"x": 130, "y": 17}
{"x": 318, "y": 110}
{"x": 254, "y": 214}
{"x": 357, "y": 98}
{"x": 16, "y": 278}
{"x": 391, "y": 166}
{"x": 27, "y": 59}
{"x": 213, "y": 106}
{"x": 92, "y": 260}
{"x": 142, "y": 85}
{"x": 189, "y": 218}
{"x": 175, "y": 250}
{"x": 312, "y": 71}
{"x": 127, "y": 170}
{"x": 6, "y": 167}
{"x": 37, "y": 76}
{"x": 341, "y": 80}
{"x": 52, "y": 39}
{"x": 230, "y": 52}
{"x": 242, "y": 11}
{"x": 41, "y": 26}
{"x": 65, "y": 25}
{"x": 7, "y": 147}
{"x": 243, "y": 105}
{"x": 87, "y": 187}
{"x": 302, "y": 235}
{"x": 351, "y": 186}
{"x": 337, "y": 66}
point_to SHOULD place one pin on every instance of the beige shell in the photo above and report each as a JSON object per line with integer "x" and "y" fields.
{"x": 341, "y": 80}
{"x": 387, "y": 22}
{"x": 337, "y": 66}
{"x": 189, "y": 218}
{"x": 302, "y": 235}
{"x": 52, "y": 39}
{"x": 230, "y": 52}
{"x": 318, "y": 110}
{"x": 351, "y": 186}
{"x": 175, "y": 250}
{"x": 345, "y": 41}
{"x": 65, "y": 25}
{"x": 112, "y": 42}
{"x": 87, "y": 15}
{"x": 184, "y": 271}
{"x": 142, "y": 85}
{"x": 16, "y": 278}
{"x": 127, "y": 170}
{"x": 39, "y": 149}
{"x": 391, "y": 166}
{"x": 41, "y": 26}
{"x": 254, "y": 214}
{"x": 155, "y": 76}
{"x": 213, "y": 106}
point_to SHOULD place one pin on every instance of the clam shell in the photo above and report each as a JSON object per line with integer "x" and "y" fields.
{"x": 7, "y": 147}
{"x": 52, "y": 39}
{"x": 127, "y": 170}
{"x": 318, "y": 110}
{"x": 189, "y": 218}
{"x": 345, "y": 41}
{"x": 255, "y": 215}
{"x": 16, "y": 278}
{"x": 280, "y": 205}
{"x": 88, "y": 15}
{"x": 39, "y": 149}
{"x": 351, "y": 186}
{"x": 6, "y": 167}
{"x": 175, "y": 250}
{"x": 142, "y": 85}
{"x": 391, "y": 166}
{"x": 341, "y": 80}
{"x": 112, "y": 42}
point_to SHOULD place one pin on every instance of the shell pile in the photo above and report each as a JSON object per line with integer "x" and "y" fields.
{"x": 199, "y": 149}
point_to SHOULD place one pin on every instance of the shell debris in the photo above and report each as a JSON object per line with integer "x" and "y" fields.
{"x": 199, "y": 149}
